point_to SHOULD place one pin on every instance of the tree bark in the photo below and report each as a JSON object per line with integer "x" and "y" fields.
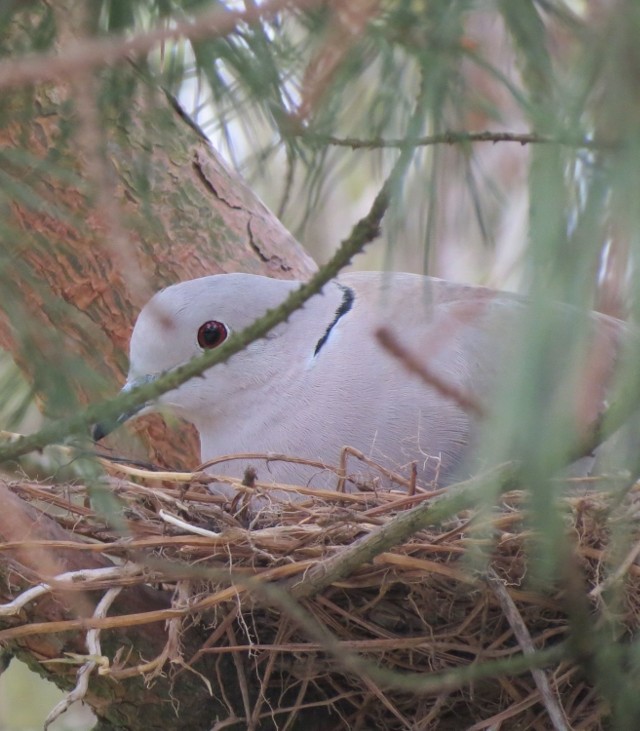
{"x": 129, "y": 704}
{"x": 101, "y": 208}
{"x": 82, "y": 256}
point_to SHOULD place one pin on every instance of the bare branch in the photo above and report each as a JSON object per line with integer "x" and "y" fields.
{"x": 453, "y": 138}
{"x": 549, "y": 699}
{"x": 92, "y": 53}
{"x": 465, "y": 400}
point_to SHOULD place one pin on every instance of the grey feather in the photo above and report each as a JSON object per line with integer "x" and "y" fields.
{"x": 322, "y": 381}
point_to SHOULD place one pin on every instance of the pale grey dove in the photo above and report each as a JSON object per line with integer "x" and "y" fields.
{"x": 322, "y": 381}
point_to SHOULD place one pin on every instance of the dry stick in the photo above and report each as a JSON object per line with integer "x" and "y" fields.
{"x": 74, "y": 625}
{"x": 396, "y": 531}
{"x": 179, "y": 523}
{"x": 465, "y": 400}
{"x": 203, "y": 477}
{"x": 342, "y": 469}
{"x": 298, "y": 704}
{"x": 378, "y": 693}
{"x": 81, "y": 580}
{"x": 261, "y": 695}
{"x": 243, "y": 685}
{"x": 95, "y": 655}
{"x": 619, "y": 573}
{"x": 275, "y": 596}
{"x": 453, "y": 138}
{"x": 215, "y": 636}
{"x": 267, "y": 457}
{"x": 416, "y": 682}
{"x": 549, "y": 700}
{"x": 159, "y": 615}
{"x": 402, "y": 503}
{"x": 393, "y": 643}
{"x": 497, "y": 720}
{"x": 171, "y": 649}
{"x": 324, "y": 703}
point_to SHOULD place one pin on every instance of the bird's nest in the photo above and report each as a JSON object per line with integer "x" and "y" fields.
{"x": 393, "y": 610}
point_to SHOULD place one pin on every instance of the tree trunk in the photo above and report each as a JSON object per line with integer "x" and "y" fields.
{"x": 99, "y": 209}
{"x": 129, "y": 704}
{"x": 82, "y": 256}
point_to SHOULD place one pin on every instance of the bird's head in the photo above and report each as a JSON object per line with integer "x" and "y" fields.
{"x": 183, "y": 321}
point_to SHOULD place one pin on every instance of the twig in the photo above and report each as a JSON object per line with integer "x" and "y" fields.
{"x": 173, "y": 520}
{"x": 465, "y": 400}
{"x": 267, "y": 457}
{"x": 412, "y": 682}
{"x": 342, "y": 469}
{"x": 241, "y": 675}
{"x": 69, "y": 581}
{"x": 214, "y": 638}
{"x": 96, "y": 658}
{"x": 171, "y": 649}
{"x": 618, "y": 574}
{"x": 452, "y": 138}
{"x": 135, "y": 619}
{"x": 514, "y": 618}
{"x": 284, "y": 631}
{"x": 96, "y": 52}
{"x": 397, "y": 530}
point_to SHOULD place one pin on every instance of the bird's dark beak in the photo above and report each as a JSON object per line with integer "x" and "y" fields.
{"x": 102, "y": 429}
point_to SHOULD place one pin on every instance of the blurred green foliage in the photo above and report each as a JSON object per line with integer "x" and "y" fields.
{"x": 275, "y": 93}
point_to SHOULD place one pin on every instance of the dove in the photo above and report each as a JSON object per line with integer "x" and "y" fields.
{"x": 321, "y": 381}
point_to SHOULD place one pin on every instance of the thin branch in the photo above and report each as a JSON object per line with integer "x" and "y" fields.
{"x": 422, "y": 683}
{"x": 94, "y": 52}
{"x": 464, "y": 399}
{"x": 517, "y": 624}
{"x": 179, "y": 523}
{"x": 236, "y": 586}
{"x": 70, "y": 581}
{"x": 170, "y": 652}
{"x": 95, "y": 658}
{"x": 397, "y": 530}
{"x": 452, "y": 138}
{"x": 347, "y": 452}
{"x": 617, "y": 575}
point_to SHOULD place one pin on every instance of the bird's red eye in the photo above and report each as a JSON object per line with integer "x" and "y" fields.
{"x": 212, "y": 334}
